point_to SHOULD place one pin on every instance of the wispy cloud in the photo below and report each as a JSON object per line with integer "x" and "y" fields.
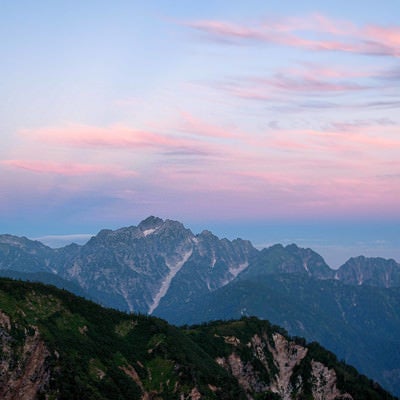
{"x": 191, "y": 124}
{"x": 116, "y": 137}
{"x": 303, "y": 80}
{"x": 341, "y": 36}
{"x": 303, "y": 84}
{"x": 346, "y": 126}
{"x": 342, "y": 137}
{"x": 66, "y": 169}
{"x": 390, "y": 74}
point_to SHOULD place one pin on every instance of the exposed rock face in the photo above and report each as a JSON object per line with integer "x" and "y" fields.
{"x": 287, "y": 355}
{"x": 213, "y": 264}
{"x": 159, "y": 264}
{"x": 370, "y": 271}
{"x": 24, "y": 370}
{"x": 324, "y": 387}
{"x": 244, "y": 372}
{"x": 132, "y": 266}
{"x": 138, "y": 268}
{"x": 280, "y": 357}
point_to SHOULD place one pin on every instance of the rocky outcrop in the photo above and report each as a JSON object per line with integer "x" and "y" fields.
{"x": 286, "y": 355}
{"x": 280, "y": 357}
{"x": 324, "y": 383}
{"x": 24, "y": 368}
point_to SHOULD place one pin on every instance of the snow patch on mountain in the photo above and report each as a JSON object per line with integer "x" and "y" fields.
{"x": 306, "y": 266}
{"x": 125, "y": 295}
{"x": 236, "y": 270}
{"x": 174, "y": 269}
{"x": 213, "y": 260}
{"x": 148, "y": 232}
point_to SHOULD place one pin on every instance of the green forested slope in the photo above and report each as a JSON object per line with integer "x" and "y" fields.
{"x": 59, "y": 346}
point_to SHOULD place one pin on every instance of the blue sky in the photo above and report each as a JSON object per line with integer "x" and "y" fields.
{"x": 273, "y": 121}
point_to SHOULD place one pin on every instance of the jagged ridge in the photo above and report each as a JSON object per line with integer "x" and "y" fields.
{"x": 162, "y": 268}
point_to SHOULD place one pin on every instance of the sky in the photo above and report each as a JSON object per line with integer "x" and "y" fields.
{"x": 275, "y": 121}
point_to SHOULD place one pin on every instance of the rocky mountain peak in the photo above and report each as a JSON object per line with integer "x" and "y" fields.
{"x": 291, "y": 259}
{"x": 21, "y": 242}
{"x": 207, "y": 235}
{"x": 372, "y": 271}
{"x": 150, "y": 223}
{"x": 167, "y": 233}
{"x": 102, "y": 234}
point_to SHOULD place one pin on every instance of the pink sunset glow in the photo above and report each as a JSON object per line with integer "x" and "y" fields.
{"x": 115, "y": 136}
{"x": 240, "y": 164}
{"x": 201, "y": 112}
{"x": 368, "y": 39}
{"x": 67, "y": 169}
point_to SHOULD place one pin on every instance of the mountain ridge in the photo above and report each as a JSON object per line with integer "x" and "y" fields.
{"x": 162, "y": 268}
{"x": 151, "y": 225}
{"x": 57, "y": 345}
{"x": 134, "y": 268}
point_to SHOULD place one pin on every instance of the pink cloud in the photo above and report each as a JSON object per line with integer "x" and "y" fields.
{"x": 308, "y": 84}
{"x": 225, "y": 29}
{"x": 369, "y": 124}
{"x": 246, "y": 90}
{"x": 312, "y": 70}
{"x": 116, "y": 136}
{"x": 66, "y": 169}
{"x": 387, "y": 35}
{"x": 308, "y": 79}
{"x": 196, "y": 126}
{"x": 358, "y": 137}
{"x": 259, "y": 167}
{"x": 347, "y": 148}
{"x": 342, "y": 35}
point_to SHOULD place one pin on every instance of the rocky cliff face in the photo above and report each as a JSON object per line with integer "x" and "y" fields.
{"x": 131, "y": 266}
{"x": 137, "y": 267}
{"x": 213, "y": 263}
{"x": 279, "y": 357}
{"x": 25, "y": 372}
{"x": 159, "y": 264}
{"x": 325, "y": 383}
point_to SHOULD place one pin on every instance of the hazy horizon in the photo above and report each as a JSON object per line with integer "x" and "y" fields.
{"x": 335, "y": 242}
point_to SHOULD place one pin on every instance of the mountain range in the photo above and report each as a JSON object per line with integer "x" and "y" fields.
{"x": 59, "y": 346}
{"x": 161, "y": 268}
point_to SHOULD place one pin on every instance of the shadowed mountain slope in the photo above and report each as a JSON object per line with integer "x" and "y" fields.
{"x": 162, "y": 268}
{"x": 57, "y": 345}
